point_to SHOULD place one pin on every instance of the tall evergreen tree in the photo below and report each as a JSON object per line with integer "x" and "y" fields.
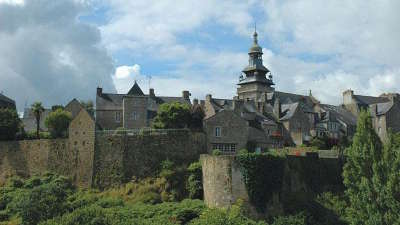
{"x": 371, "y": 177}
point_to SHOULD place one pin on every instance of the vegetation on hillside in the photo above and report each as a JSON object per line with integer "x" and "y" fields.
{"x": 58, "y": 122}
{"x": 178, "y": 115}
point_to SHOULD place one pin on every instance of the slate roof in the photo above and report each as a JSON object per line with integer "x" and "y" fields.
{"x": 289, "y": 98}
{"x": 368, "y": 100}
{"x": 6, "y": 99}
{"x": 340, "y": 113}
{"x": 136, "y": 90}
{"x": 383, "y": 108}
{"x": 288, "y": 110}
{"x": 108, "y": 101}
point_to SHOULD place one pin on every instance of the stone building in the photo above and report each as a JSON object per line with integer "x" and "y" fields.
{"x": 131, "y": 110}
{"x": 385, "y": 110}
{"x": 6, "y": 102}
{"x": 232, "y": 125}
{"x": 295, "y": 118}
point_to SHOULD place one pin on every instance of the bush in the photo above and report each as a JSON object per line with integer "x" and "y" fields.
{"x": 194, "y": 183}
{"x": 172, "y": 115}
{"x": 9, "y": 124}
{"x": 216, "y": 152}
{"x": 58, "y": 122}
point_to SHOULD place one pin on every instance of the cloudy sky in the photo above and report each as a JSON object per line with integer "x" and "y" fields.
{"x": 53, "y": 51}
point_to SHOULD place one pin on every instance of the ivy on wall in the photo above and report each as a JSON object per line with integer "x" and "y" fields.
{"x": 262, "y": 176}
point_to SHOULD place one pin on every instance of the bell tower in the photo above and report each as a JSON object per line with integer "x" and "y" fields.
{"x": 254, "y": 83}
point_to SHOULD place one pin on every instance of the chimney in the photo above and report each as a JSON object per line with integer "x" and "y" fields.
{"x": 99, "y": 91}
{"x": 195, "y": 101}
{"x": 202, "y": 103}
{"x": 151, "y": 92}
{"x": 208, "y": 97}
{"x": 186, "y": 94}
{"x": 348, "y": 97}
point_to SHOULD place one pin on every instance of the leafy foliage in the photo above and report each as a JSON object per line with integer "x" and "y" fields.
{"x": 58, "y": 122}
{"x": 9, "y": 124}
{"x": 194, "y": 182}
{"x": 262, "y": 175}
{"x": 172, "y": 115}
{"x": 371, "y": 176}
{"x": 37, "y": 110}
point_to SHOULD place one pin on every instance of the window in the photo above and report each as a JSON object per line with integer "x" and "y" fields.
{"x": 134, "y": 116}
{"x": 225, "y": 148}
{"x": 217, "y": 131}
{"x": 117, "y": 117}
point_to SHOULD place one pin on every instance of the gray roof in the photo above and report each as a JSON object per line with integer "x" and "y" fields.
{"x": 368, "y": 100}
{"x": 340, "y": 113}
{"x": 135, "y": 90}
{"x": 289, "y": 98}
{"x": 114, "y": 101}
{"x": 288, "y": 110}
{"x": 383, "y": 108}
{"x": 4, "y": 98}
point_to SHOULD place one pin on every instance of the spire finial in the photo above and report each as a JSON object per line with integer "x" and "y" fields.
{"x": 255, "y": 33}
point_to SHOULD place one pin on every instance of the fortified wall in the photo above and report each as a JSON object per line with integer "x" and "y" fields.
{"x": 120, "y": 157}
{"x": 303, "y": 178}
{"x": 100, "y": 159}
{"x": 72, "y": 157}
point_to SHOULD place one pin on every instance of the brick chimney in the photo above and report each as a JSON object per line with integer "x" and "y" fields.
{"x": 195, "y": 101}
{"x": 99, "y": 91}
{"x": 151, "y": 92}
{"x": 208, "y": 97}
{"x": 348, "y": 97}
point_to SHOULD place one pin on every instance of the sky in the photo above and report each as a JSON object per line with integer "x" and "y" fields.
{"x": 54, "y": 51}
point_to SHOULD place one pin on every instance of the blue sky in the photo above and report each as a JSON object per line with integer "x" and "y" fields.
{"x": 53, "y": 51}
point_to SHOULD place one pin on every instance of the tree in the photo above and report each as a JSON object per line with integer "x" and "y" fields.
{"x": 9, "y": 124}
{"x": 371, "y": 176}
{"x": 55, "y": 107}
{"x": 58, "y": 122}
{"x": 37, "y": 110}
{"x": 172, "y": 115}
{"x": 88, "y": 105}
{"x": 197, "y": 116}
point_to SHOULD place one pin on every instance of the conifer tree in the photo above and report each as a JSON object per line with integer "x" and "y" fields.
{"x": 371, "y": 177}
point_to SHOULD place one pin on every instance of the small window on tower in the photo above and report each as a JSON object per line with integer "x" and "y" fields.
{"x": 217, "y": 131}
{"x": 134, "y": 115}
{"x": 117, "y": 117}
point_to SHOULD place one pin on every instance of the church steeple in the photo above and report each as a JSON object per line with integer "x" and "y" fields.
{"x": 256, "y": 72}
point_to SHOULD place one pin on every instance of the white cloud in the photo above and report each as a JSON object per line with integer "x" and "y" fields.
{"x": 12, "y": 2}
{"x": 125, "y": 76}
{"x": 47, "y": 55}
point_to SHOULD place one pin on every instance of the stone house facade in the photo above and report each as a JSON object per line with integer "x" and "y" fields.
{"x": 132, "y": 110}
{"x": 385, "y": 110}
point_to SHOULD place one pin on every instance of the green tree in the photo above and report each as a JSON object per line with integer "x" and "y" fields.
{"x": 58, "y": 122}
{"x": 37, "y": 110}
{"x": 55, "y": 107}
{"x": 9, "y": 124}
{"x": 196, "y": 117}
{"x": 88, "y": 105}
{"x": 194, "y": 182}
{"x": 172, "y": 115}
{"x": 371, "y": 176}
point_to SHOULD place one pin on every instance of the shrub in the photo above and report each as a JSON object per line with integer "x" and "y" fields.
{"x": 172, "y": 115}
{"x": 58, "y": 122}
{"x": 243, "y": 151}
{"x": 216, "y": 152}
{"x": 9, "y": 124}
{"x": 194, "y": 183}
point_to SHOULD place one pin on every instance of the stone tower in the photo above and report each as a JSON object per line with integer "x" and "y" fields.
{"x": 254, "y": 83}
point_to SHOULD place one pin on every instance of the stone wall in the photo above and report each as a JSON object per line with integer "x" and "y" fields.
{"x": 223, "y": 183}
{"x": 123, "y": 156}
{"x": 72, "y": 157}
